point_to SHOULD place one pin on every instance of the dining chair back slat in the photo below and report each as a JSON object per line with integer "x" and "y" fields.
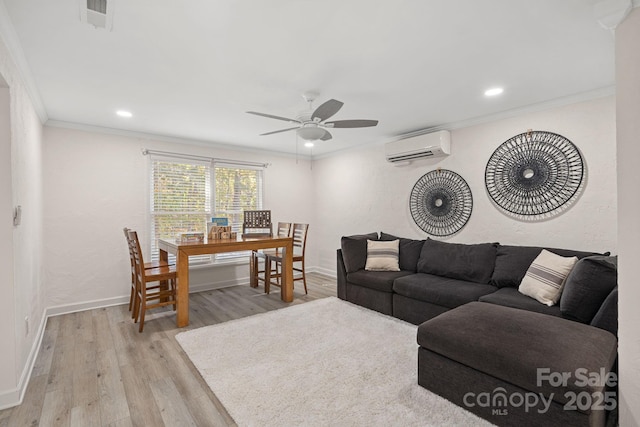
{"x": 150, "y": 296}
{"x": 299, "y": 234}
{"x": 147, "y": 265}
{"x": 284, "y": 229}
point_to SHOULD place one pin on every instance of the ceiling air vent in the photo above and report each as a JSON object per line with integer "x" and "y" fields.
{"x": 98, "y": 13}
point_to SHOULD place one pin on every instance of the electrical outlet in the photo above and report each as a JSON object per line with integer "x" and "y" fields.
{"x": 26, "y": 325}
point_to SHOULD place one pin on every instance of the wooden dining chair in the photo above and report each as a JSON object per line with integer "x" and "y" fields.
{"x": 147, "y": 265}
{"x": 284, "y": 230}
{"x": 299, "y": 234}
{"x": 149, "y": 295}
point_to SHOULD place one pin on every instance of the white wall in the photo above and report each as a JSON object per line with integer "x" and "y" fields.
{"x": 358, "y": 191}
{"x": 95, "y": 184}
{"x": 8, "y": 365}
{"x": 628, "y": 131}
{"x": 21, "y": 283}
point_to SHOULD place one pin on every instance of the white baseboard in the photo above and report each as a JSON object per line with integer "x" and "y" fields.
{"x": 11, "y": 398}
{"x": 15, "y": 396}
{"x": 109, "y": 302}
{"x": 324, "y": 271}
{"x": 86, "y": 305}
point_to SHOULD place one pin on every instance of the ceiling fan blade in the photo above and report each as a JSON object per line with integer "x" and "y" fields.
{"x": 278, "y": 131}
{"x": 327, "y": 136}
{"x": 327, "y": 110}
{"x": 352, "y": 123}
{"x": 274, "y": 117}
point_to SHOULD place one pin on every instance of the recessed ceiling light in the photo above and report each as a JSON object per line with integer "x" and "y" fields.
{"x": 123, "y": 113}
{"x": 494, "y": 91}
{"x": 308, "y": 144}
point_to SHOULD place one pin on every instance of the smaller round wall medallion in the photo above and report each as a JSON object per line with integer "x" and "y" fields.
{"x": 441, "y": 202}
{"x": 534, "y": 173}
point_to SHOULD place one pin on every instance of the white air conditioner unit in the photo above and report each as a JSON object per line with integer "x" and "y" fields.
{"x": 435, "y": 144}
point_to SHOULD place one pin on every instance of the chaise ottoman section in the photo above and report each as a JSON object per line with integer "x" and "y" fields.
{"x": 518, "y": 368}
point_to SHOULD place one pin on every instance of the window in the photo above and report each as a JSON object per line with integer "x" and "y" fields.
{"x": 186, "y": 193}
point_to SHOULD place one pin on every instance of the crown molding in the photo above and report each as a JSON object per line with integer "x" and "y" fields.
{"x": 558, "y": 102}
{"x": 10, "y": 39}
{"x": 514, "y": 112}
{"x": 541, "y": 106}
{"x": 610, "y": 13}
{"x": 167, "y": 138}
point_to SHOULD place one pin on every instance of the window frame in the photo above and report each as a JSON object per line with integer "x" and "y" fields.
{"x": 212, "y": 164}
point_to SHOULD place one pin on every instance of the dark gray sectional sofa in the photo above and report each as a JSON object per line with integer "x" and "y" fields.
{"x": 479, "y": 336}
{"x": 436, "y": 276}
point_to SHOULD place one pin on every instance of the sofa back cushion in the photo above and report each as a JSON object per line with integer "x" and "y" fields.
{"x": 354, "y": 250}
{"x": 607, "y": 316}
{"x": 589, "y": 283}
{"x": 473, "y": 263}
{"x": 409, "y": 251}
{"x": 512, "y": 262}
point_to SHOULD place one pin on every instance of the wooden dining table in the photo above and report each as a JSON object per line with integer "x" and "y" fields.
{"x": 183, "y": 251}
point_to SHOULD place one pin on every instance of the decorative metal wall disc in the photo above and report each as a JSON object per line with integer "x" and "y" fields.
{"x": 441, "y": 202}
{"x": 534, "y": 173}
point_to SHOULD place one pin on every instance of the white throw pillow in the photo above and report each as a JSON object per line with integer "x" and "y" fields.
{"x": 382, "y": 255}
{"x": 546, "y": 276}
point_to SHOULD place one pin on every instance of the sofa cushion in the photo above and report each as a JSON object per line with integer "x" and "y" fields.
{"x": 409, "y": 251}
{"x": 607, "y": 316}
{"x": 473, "y": 263}
{"x": 382, "y": 255}
{"x": 510, "y": 297}
{"x": 354, "y": 250}
{"x": 512, "y": 262}
{"x": 378, "y": 280}
{"x": 512, "y": 345}
{"x": 588, "y": 284}
{"x": 442, "y": 291}
{"x": 545, "y": 277}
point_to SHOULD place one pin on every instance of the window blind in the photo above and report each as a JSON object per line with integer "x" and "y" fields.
{"x": 180, "y": 199}
{"x": 187, "y": 192}
{"x": 236, "y": 189}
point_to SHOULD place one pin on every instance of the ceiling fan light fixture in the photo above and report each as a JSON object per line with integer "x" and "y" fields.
{"x": 308, "y": 144}
{"x": 310, "y": 133}
{"x": 311, "y": 125}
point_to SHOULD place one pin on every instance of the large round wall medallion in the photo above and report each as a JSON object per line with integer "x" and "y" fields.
{"x": 441, "y": 202}
{"x": 534, "y": 173}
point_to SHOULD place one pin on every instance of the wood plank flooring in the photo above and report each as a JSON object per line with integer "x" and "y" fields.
{"x": 95, "y": 369}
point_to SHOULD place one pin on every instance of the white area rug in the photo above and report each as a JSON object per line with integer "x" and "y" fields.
{"x": 321, "y": 363}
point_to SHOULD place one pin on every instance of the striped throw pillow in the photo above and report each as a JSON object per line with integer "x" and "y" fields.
{"x": 382, "y": 255}
{"x": 546, "y": 276}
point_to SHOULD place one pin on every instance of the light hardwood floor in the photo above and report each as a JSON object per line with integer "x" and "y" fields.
{"x": 95, "y": 369}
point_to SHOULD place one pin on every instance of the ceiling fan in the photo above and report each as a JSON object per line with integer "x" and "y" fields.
{"x": 312, "y": 125}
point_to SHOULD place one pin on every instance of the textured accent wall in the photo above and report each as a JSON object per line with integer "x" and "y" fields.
{"x": 359, "y": 192}
{"x": 628, "y": 134}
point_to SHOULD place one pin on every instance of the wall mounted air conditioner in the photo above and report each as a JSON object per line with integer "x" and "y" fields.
{"x": 435, "y": 144}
